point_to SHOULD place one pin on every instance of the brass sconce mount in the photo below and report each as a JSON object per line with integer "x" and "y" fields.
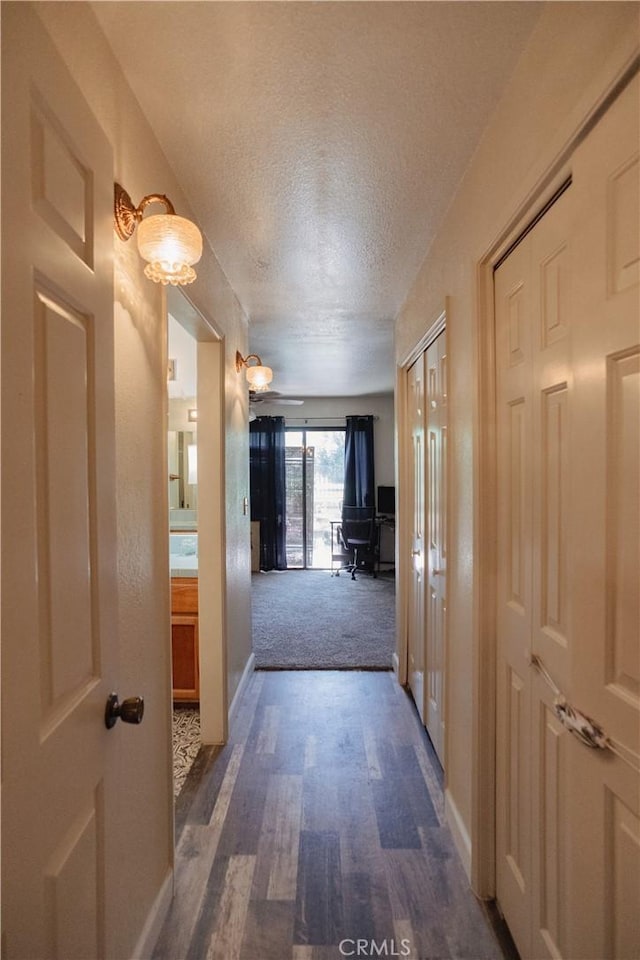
{"x": 244, "y": 361}
{"x": 127, "y": 216}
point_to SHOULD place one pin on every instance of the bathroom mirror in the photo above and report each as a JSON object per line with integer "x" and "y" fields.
{"x": 182, "y": 428}
{"x": 183, "y": 488}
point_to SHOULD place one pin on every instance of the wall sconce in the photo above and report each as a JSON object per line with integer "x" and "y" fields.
{"x": 169, "y": 243}
{"x": 192, "y": 415}
{"x": 258, "y": 377}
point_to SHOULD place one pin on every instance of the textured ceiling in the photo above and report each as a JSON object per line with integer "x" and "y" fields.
{"x": 320, "y": 145}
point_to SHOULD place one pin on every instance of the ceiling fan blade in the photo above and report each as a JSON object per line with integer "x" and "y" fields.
{"x": 262, "y": 396}
{"x": 272, "y": 396}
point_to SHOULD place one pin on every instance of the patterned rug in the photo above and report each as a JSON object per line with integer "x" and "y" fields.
{"x": 309, "y": 620}
{"x": 186, "y": 743}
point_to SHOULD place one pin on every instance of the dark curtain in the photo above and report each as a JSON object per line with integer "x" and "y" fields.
{"x": 359, "y": 479}
{"x": 267, "y": 479}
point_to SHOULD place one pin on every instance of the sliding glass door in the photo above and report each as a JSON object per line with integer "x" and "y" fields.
{"x": 314, "y": 484}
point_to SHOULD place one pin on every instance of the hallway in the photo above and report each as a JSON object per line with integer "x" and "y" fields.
{"x": 321, "y": 822}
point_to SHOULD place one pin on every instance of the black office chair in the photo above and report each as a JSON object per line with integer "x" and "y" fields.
{"x": 358, "y": 534}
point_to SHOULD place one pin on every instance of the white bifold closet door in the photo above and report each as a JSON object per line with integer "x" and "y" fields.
{"x": 427, "y": 607}
{"x": 436, "y": 533}
{"x": 417, "y": 468}
{"x": 568, "y": 421}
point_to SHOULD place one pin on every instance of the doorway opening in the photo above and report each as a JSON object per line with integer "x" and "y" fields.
{"x": 195, "y": 515}
{"x": 302, "y": 616}
{"x": 314, "y": 479}
{"x": 182, "y": 440}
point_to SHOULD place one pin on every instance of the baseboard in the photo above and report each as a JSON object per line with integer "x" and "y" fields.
{"x": 244, "y": 679}
{"x": 155, "y": 919}
{"x": 459, "y": 832}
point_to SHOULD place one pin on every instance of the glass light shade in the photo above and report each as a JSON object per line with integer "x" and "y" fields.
{"x": 259, "y": 378}
{"x": 171, "y": 244}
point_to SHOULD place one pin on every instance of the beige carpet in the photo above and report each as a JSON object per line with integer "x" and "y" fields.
{"x": 307, "y": 619}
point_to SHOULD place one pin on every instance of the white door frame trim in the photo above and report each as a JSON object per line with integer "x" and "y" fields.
{"x": 211, "y": 506}
{"x": 403, "y": 515}
{"x": 548, "y": 176}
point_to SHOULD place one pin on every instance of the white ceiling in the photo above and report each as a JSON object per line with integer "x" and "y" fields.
{"x": 320, "y": 145}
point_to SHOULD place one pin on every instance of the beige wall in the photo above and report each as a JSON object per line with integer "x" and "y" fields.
{"x": 238, "y": 553}
{"x": 140, "y": 357}
{"x": 573, "y": 53}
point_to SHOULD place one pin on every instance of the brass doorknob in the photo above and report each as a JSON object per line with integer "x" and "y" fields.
{"x": 130, "y": 710}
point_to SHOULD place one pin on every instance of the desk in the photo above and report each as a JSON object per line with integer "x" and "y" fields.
{"x": 387, "y": 540}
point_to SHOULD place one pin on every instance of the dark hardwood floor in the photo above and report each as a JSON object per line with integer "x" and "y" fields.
{"x": 320, "y": 824}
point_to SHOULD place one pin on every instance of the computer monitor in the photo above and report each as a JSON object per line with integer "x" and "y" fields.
{"x": 387, "y": 501}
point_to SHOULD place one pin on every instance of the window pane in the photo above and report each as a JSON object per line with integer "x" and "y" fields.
{"x": 294, "y": 499}
{"x": 328, "y": 485}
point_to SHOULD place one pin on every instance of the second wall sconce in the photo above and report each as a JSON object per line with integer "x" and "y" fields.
{"x": 169, "y": 243}
{"x": 258, "y": 376}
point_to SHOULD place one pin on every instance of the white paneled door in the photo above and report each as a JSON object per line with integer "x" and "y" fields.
{"x": 416, "y": 603}
{"x": 568, "y": 420}
{"x": 427, "y": 604}
{"x": 436, "y": 532}
{"x": 59, "y": 597}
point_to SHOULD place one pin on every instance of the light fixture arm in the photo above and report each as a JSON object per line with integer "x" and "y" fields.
{"x": 244, "y": 361}
{"x": 127, "y": 216}
{"x": 154, "y": 198}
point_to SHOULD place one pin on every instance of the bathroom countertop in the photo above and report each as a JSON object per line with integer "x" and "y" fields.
{"x": 183, "y": 566}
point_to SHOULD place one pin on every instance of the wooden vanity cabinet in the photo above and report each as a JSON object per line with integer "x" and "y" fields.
{"x": 184, "y": 639}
